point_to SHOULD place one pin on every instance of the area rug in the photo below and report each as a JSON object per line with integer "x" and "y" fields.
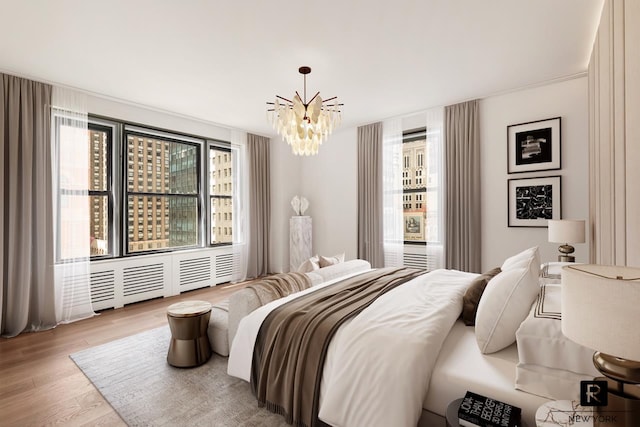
{"x": 133, "y": 376}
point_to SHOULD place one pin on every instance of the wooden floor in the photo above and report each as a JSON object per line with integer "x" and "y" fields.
{"x": 40, "y": 385}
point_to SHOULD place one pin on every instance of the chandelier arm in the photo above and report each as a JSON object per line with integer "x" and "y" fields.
{"x": 284, "y": 99}
{"x": 314, "y": 97}
{"x": 329, "y": 99}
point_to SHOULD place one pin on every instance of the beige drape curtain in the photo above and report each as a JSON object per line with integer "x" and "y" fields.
{"x": 462, "y": 183}
{"x": 259, "y": 200}
{"x": 27, "y": 297}
{"x": 370, "y": 221}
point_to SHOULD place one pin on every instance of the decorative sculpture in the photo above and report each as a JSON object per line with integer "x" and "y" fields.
{"x": 304, "y": 205}
{"x": 295, "y": 204}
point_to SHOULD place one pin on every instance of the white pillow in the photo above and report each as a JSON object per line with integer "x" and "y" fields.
{"x": 520, "y": 260}
{"x": 506, "y": 301}
{"x": 310, "y": 265}
{"x": 331, "y": 260}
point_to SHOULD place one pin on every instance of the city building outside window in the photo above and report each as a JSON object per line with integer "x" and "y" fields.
{"x": 158, "y": 190}
{"x": 170, "y": 194}
{"x": 220, "y": 195}
{"x": 420, "y": 195}
{"x": 100, "y": 140}
{"x": 98, "y": 187}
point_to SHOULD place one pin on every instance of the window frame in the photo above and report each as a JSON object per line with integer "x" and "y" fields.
{"x": 59, "y": 119}
{"x": 149, "y": 132}
{"x": 117, "y": 180}
{"x": 410, "y": 136}
{"x": 92, "y": 124}
{"x": 226, "y": 147}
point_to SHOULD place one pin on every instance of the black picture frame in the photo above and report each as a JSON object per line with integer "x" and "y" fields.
{"x": 534, "y": 201}
{"x": 534, "y": 146}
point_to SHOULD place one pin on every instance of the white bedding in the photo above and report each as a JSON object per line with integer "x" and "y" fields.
{"x": 461, "y": 367}
{"x": 379, "y": 364}
{"x": 550, "y": 364}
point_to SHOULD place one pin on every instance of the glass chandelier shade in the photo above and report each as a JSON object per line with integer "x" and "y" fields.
{"x": 304, "y": 125}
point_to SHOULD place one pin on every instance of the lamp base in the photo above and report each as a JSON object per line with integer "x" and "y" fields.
{"x": 623, "y": 377}
{"x": 623, "y": 409}
{"x": 616, "y": 368}
{"x": 565, "y": 253}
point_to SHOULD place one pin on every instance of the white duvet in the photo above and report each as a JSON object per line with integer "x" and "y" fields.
{"x": 378, "y": 364}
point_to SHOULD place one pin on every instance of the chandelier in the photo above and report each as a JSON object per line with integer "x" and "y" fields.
{"x": 304, "y": 125}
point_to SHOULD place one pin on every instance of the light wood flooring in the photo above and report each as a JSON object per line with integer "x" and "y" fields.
{"x": 40, "y": 385}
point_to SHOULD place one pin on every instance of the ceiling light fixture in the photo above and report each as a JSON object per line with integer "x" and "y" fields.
{"x": 304, "y": 125}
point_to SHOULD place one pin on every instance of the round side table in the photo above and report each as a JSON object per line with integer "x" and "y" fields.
{"x": 452, "y": 413}
{"x": 564, "y": 413}
{"x": 188, "y": 321}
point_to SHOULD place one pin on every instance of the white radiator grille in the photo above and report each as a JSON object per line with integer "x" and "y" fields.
{"x": 224, "y": 265}
{"x": 423, "y": 257}
{"x": 142, "y": 279}
{"x": 418, "y": 261}
{"x": 102, "y": 286}
{"x": 76, "y": 290}
{"x": 195, "y": 270}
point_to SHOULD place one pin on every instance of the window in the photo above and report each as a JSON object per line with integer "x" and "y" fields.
{"x": 77, "y": 181}
{"x": 156, "y": 199}
{"x": 220, "y": 194}
{"x": 422, "y": 194}
{"x": 177, "y": 198}
{"x": 414, "y": 206}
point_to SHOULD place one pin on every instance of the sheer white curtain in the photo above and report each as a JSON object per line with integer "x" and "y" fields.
{"x": 71, "y": 174}
{"x": 392, "y": 202}
{"x": 435, "y": 188}
{"x": 240, "y": 202}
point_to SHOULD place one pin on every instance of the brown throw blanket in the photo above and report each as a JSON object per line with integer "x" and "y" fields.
{"x": 279, "y": 285}
{"x": 292, "y": 342}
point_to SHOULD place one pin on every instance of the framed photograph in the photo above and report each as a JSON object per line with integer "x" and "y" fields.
{"x": 534, "y": 201}
{"x": 413, "y": 227}
{"x": 534, "y": 146}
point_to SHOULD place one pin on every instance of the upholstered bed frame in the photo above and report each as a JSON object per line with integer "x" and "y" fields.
{"x": 226, "y": 316}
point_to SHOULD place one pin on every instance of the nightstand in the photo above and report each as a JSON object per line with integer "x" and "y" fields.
{"x": 564, "y": 413}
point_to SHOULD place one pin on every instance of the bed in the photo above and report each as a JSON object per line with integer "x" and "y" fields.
{"x": 404, "y": 358}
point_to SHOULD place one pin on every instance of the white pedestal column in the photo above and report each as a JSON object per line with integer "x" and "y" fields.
{"x": 300, "y": 232}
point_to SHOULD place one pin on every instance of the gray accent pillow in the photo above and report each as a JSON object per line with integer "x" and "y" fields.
{"x": 472, "y": 296}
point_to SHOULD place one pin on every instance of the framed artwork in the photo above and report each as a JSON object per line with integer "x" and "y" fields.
{"x": 534, "y": 146}
{"x": 534, "y": 201}
{"x": 414, "y": 227}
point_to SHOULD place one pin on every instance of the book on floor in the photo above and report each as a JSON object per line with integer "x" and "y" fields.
{"x": 480, "y": 411}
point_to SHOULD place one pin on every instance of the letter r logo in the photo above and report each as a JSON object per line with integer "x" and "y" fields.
{"x": 594, "y": 393}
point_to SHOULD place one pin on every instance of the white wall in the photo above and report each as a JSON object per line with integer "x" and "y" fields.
{"x": 566, "y": 99}
{"x": 330, "y": 183}
{"x": 329, "y": 180}
{"x": 155, "y": 118}
{"x": 285, "y": 183}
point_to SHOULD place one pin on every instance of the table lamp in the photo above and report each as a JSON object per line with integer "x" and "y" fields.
{"x": 566, "y": 231}
{"x": 601, "y": 310}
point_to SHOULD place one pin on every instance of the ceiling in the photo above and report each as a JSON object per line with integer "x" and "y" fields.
{"x": 220, "y": 61}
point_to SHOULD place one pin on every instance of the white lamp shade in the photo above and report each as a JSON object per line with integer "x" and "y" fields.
{"x": 566, "y": 230}
{"x": 600, "y": 311}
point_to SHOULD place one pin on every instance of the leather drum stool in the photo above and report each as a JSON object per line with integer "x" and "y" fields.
{"x": 188, "y": 321}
